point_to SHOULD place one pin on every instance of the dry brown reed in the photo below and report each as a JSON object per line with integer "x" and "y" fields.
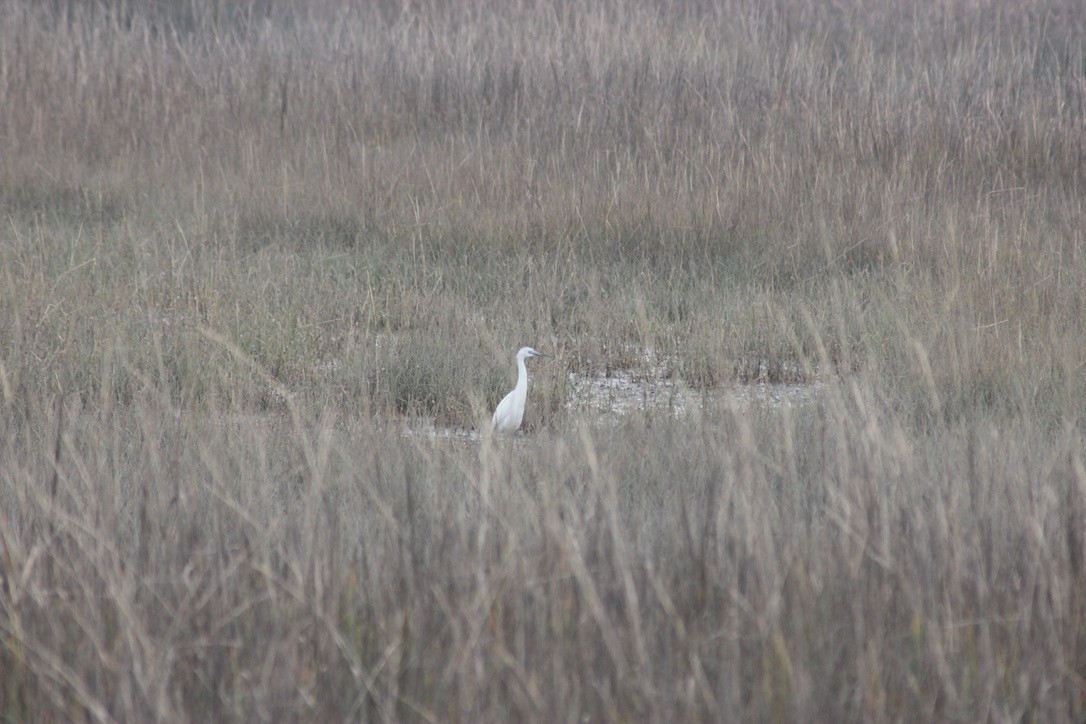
{"x": 244, "y": 243}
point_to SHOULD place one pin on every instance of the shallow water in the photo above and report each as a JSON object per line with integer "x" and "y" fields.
{"x": 625, "y": 391}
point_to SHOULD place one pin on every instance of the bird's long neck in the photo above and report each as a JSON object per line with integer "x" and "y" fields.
{"x": 522, "y": 376}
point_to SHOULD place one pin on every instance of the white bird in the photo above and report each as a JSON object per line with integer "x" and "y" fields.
{"x": 510, "y": 412}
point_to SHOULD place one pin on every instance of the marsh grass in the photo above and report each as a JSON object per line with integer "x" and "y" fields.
{"x": 245, "y": 244}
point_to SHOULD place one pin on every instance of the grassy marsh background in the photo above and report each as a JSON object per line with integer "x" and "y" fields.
{"x": 243, "y": 243}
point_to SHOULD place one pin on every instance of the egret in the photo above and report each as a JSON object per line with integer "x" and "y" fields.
{"x": 510, "y": 412}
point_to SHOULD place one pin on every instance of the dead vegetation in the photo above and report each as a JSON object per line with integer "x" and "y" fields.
{"x": 243, "y": 243}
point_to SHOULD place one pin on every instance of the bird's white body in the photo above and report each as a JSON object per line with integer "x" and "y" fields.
{"x": 510, "y": 412}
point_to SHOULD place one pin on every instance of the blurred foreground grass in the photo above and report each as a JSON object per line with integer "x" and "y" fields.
{"x": 245, "y": 243}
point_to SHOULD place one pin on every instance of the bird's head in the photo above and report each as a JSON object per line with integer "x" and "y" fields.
{"x": 527, "y": 352}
